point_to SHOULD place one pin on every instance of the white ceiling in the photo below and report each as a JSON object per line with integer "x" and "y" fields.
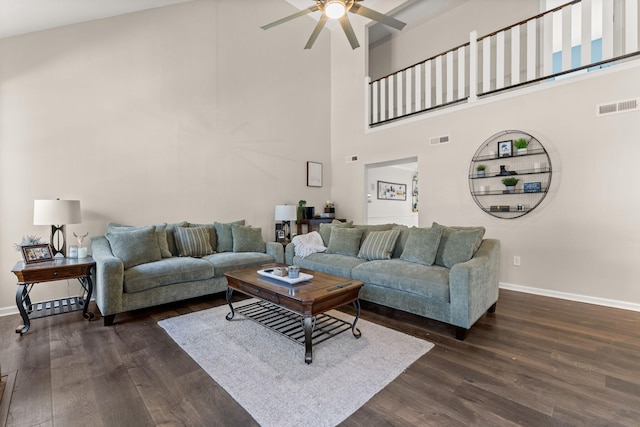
{"x": 25, "y": 16}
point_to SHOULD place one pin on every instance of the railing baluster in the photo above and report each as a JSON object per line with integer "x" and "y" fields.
{"x": 462, "y": 72}
{"x": 427, "y": 84}
{"x": 607, "y": 29}
{"x": 391, "y": 112}
{"x": 408, "y": 84}
{"x": 375, "y": 98}
{"x": 400, "y": 82}
{"x": 585, "y": 45}
{"x": 567, "y": 12}
{"x": 631, "y": 26}
{"x": 418, "y": 87}
{"x": 515, "y": 55}
{"x": 532, "y": 63}
{"x": 547, "y": 45}
{"x": 439, "y": 89}
{"x": 486, "y": 64}
{"x": 473, "y": 66}
{"x": 450, "y": 76}
{"x": 383, "y": 100}
{"x": 500, "y": 60}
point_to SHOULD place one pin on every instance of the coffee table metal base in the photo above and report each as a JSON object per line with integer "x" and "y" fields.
{"x": 305, "y": 330}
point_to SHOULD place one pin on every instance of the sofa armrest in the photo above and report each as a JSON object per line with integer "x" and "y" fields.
{"x": 289, "y": 253}
{"x": 109, "y": 277}
{"x": 276, "y": 250}
{"x": 473, "y": 285}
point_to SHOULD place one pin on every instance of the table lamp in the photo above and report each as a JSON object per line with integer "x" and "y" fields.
{"x": 286, "y": 214}
{"x": 57, "y": 213}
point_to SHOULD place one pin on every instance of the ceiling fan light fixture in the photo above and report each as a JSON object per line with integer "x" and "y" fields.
{"x": 335, "y": 9}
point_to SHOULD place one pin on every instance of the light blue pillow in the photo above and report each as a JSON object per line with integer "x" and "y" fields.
{"x": 422, "y": 245}
{"x": 461, "y": 248}
{"x": 247, "y": 239}
{"x": 225, "y": 236}
{"x": 161, "y": 232}
{"x": 135, "y": 247}
{"x": 345, "y": 241}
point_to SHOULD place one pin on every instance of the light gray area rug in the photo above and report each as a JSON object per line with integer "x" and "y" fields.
{"x": 265, "y": 372}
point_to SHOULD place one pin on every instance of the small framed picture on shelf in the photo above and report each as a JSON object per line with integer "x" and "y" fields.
{"x": 505, "y": 148}
{"x": 37, "y": 253}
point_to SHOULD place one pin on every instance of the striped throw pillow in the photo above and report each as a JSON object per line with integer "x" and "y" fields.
{"x": 193, "y": 241}
{"x": 378, "y": 245}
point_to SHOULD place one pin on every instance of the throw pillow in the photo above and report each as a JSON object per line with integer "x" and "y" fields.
{"x": 369, "y": 228}
{"x": 378, "y": 245}
{"x": 247, "y": 239}
{"x": 224, "y": 235}
{"x": 212, "y": 234}
{"x": 325, "y": 229}
{"x": 422, "y": 245}
{"x": 135, "y": 247}
{"x": 345, "y": 241}
{"x": 460, "y": 247}
{"x": 161, "y": 232}
{"x": 447, "y": 232}
{"x": 193, "y": 241}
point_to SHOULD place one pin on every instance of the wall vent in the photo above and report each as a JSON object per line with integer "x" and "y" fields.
{"x": 618, "y": 107}
{"x": 437, "y": 140}
{"x": 351, "y": 159}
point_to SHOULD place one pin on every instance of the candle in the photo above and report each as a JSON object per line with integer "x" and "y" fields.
{"x": 82, "y": 252}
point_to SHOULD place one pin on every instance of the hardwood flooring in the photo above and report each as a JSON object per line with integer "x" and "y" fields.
{"x": 537, "y": 361}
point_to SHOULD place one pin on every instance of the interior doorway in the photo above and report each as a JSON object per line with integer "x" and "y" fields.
{"x": 392, "y": 192}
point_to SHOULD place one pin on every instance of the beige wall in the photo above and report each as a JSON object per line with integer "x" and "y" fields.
{"x": 189, "y": 112}
{"x": 583, "y": 241}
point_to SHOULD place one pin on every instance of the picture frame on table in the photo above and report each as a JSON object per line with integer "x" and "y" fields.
{"x": 505, "y": 148}
{"x": 391, "y": 191}
{"x": 37, "y": 253}
{"x": 314, "y": 174}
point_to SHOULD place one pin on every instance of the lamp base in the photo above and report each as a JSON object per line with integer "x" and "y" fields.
{"x": 59, "y": 241}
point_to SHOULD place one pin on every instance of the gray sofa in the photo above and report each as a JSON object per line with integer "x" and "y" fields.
{"x": 138, "y": 267}
{"x": 449, "y": 274}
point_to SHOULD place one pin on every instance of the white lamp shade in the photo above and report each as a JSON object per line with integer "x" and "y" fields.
{"x": 56, "y": 212}
{"x": 285, "y": 213}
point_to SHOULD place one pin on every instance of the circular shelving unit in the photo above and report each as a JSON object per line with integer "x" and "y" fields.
{"x": 502, "y": 160}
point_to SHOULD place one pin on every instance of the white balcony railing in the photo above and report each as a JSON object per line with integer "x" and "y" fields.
{"x": 576, "y": 37}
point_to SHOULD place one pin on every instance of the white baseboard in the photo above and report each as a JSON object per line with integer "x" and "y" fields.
{"x": 572, "y": 297}
{"x": 6, "y": 311}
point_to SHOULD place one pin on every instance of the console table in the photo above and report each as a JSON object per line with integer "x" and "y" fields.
{"x": 50, "y": 271}
{"x": 315, "y": 222}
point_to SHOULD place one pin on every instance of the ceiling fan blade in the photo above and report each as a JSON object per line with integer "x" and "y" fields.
{"x": 377, "y": 16}
{"x": 316, "y": 32}
{"x": 290, "y": 17}
{"x": 348, "y": 30}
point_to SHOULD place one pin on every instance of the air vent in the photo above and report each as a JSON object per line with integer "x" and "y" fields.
{"x": 618, "y": 107}
{"x": 351, "y": 159}
{"x": 437, "y": 140}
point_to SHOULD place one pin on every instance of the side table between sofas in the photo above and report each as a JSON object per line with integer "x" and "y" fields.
{"x": 50, "y": 271}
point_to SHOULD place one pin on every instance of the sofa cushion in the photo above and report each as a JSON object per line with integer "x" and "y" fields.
{"x": 247, "y": 239}
{"x": 422, "y": 245}
{"x": 161, "y": 232}
{"x": 418, "y": 279}
{"x": 345, "y": 241}
{"x": 193, "y": 241}
{"x": 213, "y": 236}
{"x": 165, "y": 272}
{"x": 338, "y": 265}
{"x": 378, "y": 245}
{"x": 227, "y": 261}
{"x": 402, "y": 239}
{"x": 460, "y": 247}
{"x": 225, "y": 236}
{"x": 325, "y": 229}
{"x": 135, "y": 247}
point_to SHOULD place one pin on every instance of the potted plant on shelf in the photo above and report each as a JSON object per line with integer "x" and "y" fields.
{"x": 480, "y": 170}
{"x": 521, "y": 145}
{"x": 510, "y": 183}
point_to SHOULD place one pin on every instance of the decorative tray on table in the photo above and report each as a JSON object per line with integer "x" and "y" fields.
{"x": 302, "y": 277}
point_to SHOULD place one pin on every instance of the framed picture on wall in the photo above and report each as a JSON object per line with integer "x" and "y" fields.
{"x": 505, "y": 148}
{"x": 314, "y": 174}
{"x": 391, "y": 191}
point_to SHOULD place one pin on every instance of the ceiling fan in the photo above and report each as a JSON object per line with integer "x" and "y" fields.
{"x": 337, "y": 9}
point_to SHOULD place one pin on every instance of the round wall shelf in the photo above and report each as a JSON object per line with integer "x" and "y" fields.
{"x": 502, "y": 160}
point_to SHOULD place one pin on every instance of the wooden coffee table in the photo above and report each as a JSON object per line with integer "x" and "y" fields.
{"x": 296, "y": 311}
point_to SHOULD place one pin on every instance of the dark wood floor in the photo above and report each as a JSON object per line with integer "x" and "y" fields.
{"x": 536, "y": 362}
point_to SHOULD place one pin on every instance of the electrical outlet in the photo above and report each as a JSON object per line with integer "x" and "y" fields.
{"x": 516, "y": 260}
